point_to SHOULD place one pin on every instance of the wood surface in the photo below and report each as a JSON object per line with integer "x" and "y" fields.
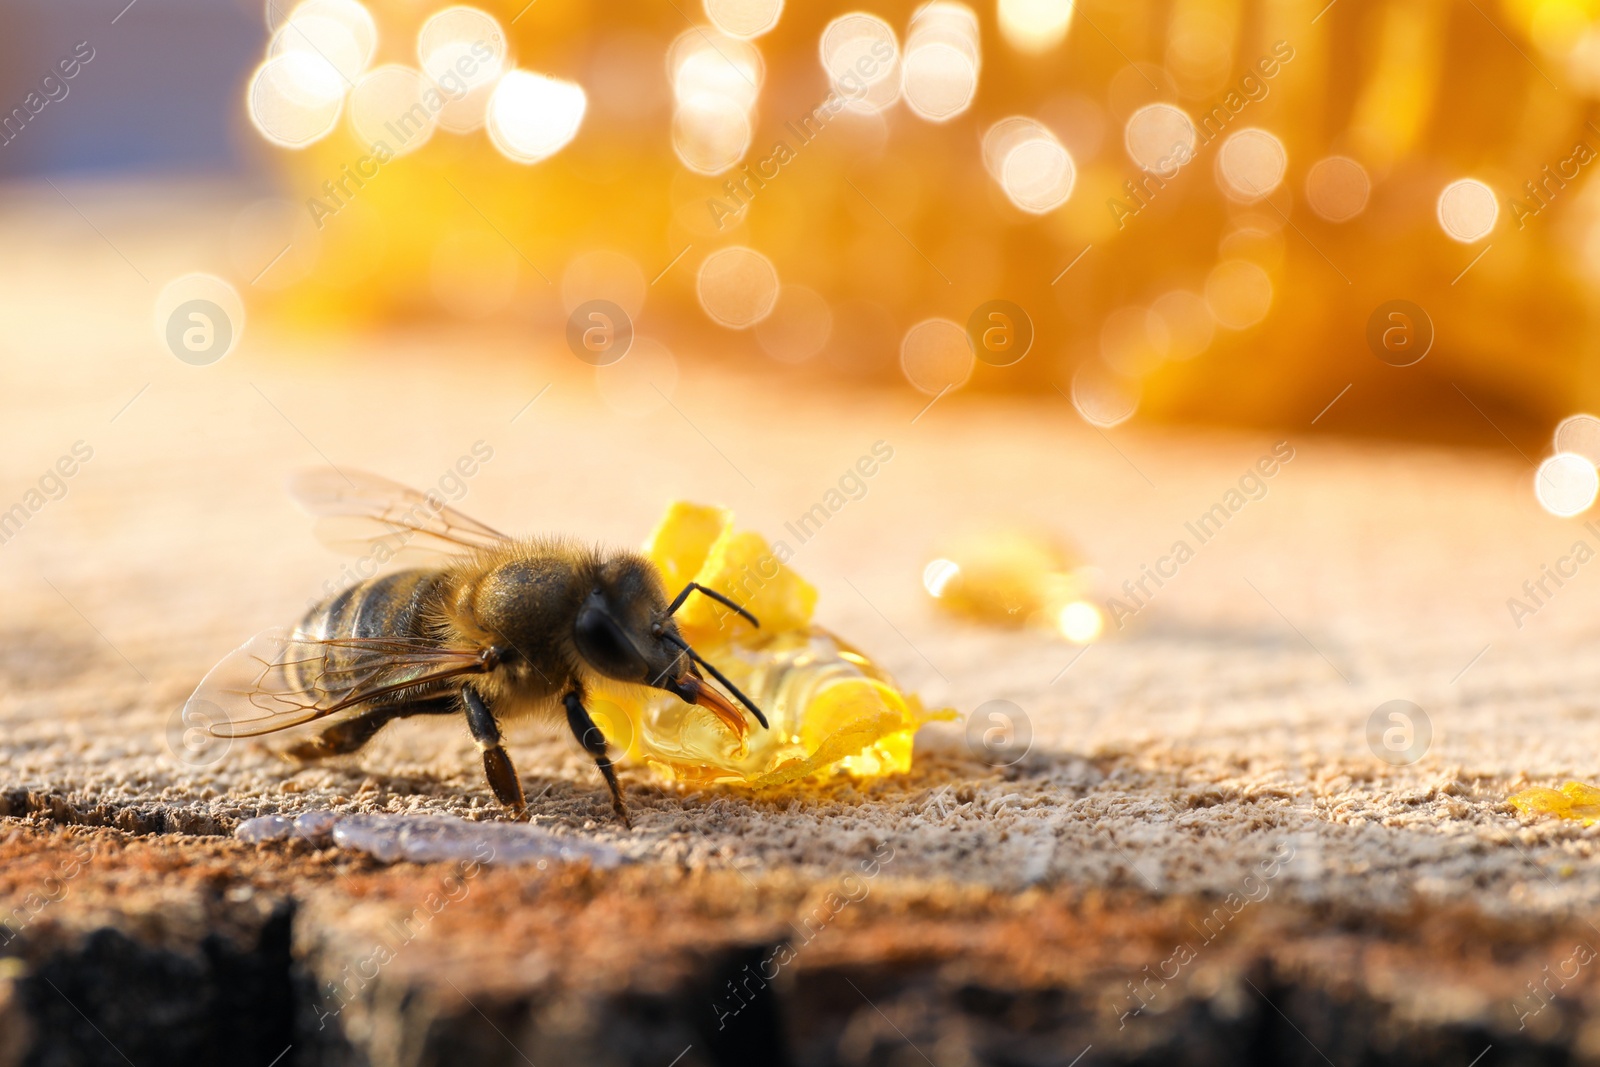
{"x": 1225, "y": 726}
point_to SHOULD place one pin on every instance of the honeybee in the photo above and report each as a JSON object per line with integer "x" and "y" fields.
{"x": 501, "y": 628}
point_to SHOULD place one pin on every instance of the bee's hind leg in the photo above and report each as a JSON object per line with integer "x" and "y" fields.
{"x": 497, "y": 766}
{"x": 348, "y": 736}
{"x": 594, "y": 743}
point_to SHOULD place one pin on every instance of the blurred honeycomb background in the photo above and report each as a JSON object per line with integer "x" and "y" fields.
{"x": 1199, "y": 205}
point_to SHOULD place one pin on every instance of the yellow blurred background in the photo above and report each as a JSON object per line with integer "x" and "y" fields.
{"x": 1201, "y": 210}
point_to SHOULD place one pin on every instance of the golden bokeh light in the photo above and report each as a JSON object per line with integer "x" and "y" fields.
{"x": 710, "y": 127}
{"x": 1467, "y": 210}
{"x": 744, "y": 18}
{"x": 1029, "y": 163}
{"x": 937, "y": 576}
{"x": 861, "y": 56}
{"x": 389, "y": 106}
{"x": 1337, "y": 188}
{"x": 353, "y": 15}
{"x": 454, "y": 30}
{"x": 1250, "y": 164}
{"x": 1160, "y": 138}
{"x": 1038, "y": 176}
{"x": 1256, "y": 236}
{"x": 295, "y": 99}
{"x": 1102, "y": 397}
{"x": 737, "y": 287}
{"x": 1035, "y": 25}
{"x": 941, "y": 60}
{"x": 1566, "y": 484}
{"x": 1080, "y": 621}
{"x": 708, "y": 64}
{"x": 340, "y": 33}
{"x": 716, "y": 82}
{"x": 936, "y": 357}
{"x": 531, "y": 117}
{"x": 465, "y": 52}
{"x": 1579, "y": 434}
{"x": 1583, "y": 62}
{"x": 710, "y": 134}
{"x": 1002, "y": 137}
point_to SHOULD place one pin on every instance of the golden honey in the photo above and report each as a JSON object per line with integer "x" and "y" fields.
{"x": 1016, "y": 577}
{"x": 1574, "y": 800}
{"x": 830, "y": 707}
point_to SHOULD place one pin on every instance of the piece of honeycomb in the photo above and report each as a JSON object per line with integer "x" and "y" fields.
{"x": 830, "y": 708}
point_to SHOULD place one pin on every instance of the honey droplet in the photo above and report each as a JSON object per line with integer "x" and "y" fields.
{"x": 1574, "y": 800}
{"x": 1014, "y": 577}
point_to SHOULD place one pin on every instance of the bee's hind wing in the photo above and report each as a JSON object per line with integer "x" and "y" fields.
{"x": 283, "y": 678}
{"x": 366, "y": 514}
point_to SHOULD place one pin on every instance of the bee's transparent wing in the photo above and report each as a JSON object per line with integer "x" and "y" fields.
{"x": 283, "y": 678}
{"x": 369, "y": 515}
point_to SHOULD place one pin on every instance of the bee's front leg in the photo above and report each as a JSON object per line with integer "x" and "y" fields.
{"x": 496, "y": 763}
{"x": 594, "y": 743}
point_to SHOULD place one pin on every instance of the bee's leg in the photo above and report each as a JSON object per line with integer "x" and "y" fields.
{"x": 345, "y": 737}
{"x": 594, "y": 743}
{"x": 496, "y": 763}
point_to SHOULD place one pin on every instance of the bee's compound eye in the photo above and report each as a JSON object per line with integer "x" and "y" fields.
{"x": 603, "y": 643}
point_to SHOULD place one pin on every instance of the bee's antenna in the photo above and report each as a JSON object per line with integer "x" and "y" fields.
{"x": 718, "y": 675}
{"x": 714, "y": 595}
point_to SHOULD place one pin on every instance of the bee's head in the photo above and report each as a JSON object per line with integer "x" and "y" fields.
{"x": 624, "y": 630}
{"x": 619, "y": 627}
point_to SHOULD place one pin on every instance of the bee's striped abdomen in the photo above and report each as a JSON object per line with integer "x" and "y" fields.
{"x": 394, "y": 606}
